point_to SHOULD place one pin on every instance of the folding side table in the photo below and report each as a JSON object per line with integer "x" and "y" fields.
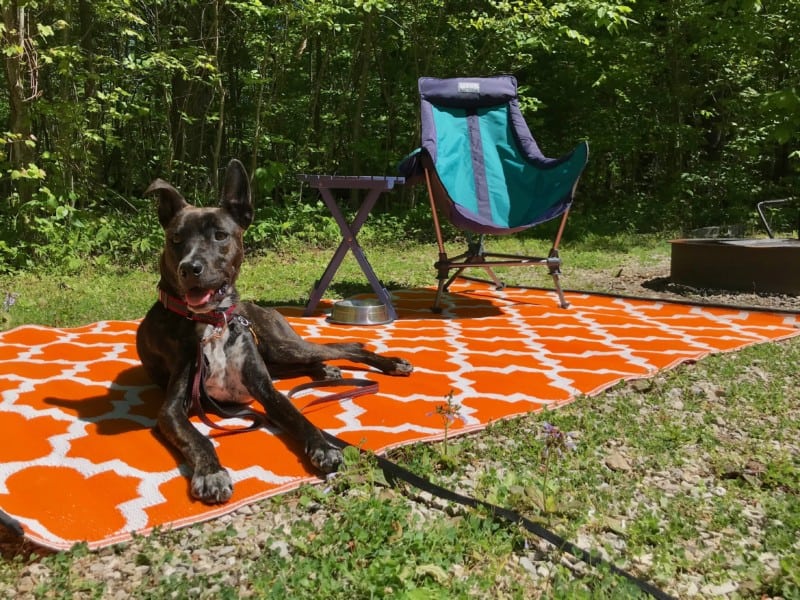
{"x": 374, "y": 187}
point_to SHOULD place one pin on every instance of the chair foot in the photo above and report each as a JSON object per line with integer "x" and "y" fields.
{"x": 562, "y": 301}
{"x": 557, "y": 284}
{"x": 437, "y": 302}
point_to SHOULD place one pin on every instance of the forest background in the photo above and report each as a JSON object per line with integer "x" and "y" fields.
{"x": 691, "y": 108}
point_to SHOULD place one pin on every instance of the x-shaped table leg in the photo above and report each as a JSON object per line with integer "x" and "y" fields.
{"x": 350, "y": 242}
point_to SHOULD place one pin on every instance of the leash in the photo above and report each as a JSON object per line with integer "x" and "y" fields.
{"x": 395, "y": 472}
{"x": 364, "y": 387}
{"x": 199, "y": 402}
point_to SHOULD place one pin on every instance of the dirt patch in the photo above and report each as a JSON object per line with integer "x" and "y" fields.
{"x": 653, "y": 281}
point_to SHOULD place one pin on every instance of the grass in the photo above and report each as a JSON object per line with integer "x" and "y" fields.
{"x": 690, "y": 479}
{"x": 285, "y": 277}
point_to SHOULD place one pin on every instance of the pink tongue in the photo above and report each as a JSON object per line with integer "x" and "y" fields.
{"x": 196, "y": 297}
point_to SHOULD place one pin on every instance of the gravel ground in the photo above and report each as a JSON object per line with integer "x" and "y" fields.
{"x": 210, "y": 550}
{"x": 653, "y": 282}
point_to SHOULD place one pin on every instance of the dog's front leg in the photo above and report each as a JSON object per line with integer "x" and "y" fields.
{"x": 211, "y": 483}
{"x": 323, "y": 455}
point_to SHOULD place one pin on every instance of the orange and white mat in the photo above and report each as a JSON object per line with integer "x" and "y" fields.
{"x": 80, "y": 461}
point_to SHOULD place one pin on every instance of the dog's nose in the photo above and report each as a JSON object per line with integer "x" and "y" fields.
{"x": 190, "y": 268}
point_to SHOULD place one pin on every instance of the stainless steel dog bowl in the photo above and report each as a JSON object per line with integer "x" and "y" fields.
{"x": 360, "y": 312}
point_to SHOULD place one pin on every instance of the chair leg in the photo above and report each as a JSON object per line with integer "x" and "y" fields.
{"x": 477, "y": 251}
{"x": 442, "y": 267}
{"x": 554, "y": 266}
{"x": 557, "y": 282}
{"x": 475, "y": 257}
{"x": 437, "y": 303}
{"x": 452, "y": 278}
{"x": 498, "y": 285}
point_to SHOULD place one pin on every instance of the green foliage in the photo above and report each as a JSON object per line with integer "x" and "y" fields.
{"x": 688, "y": 135}
{"x": 691, "y": 108}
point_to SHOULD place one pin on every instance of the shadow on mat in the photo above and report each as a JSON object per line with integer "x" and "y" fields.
{"x": 131, "y": 403}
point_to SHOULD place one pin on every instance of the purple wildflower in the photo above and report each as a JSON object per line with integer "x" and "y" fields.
{"x": 9, "y": 301}
{"x": 555, "y": 439}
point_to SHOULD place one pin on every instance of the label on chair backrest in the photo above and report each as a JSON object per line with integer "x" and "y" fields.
{"x": 469, "y": 87}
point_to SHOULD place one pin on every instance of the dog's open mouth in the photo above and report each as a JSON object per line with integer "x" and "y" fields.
{"x": 199, "y": 298}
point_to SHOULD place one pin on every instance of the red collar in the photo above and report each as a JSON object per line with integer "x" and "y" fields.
{"x": 217, "y": 318}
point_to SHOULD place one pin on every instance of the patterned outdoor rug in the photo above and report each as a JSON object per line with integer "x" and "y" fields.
{"x": 79, "y": 460}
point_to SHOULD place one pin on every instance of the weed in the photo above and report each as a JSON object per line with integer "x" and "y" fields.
{"x": 9, "y": 301}
{"x": 554, "y": 444}
{"x": 360, "y": 469}
{"x": 450, "y": 412}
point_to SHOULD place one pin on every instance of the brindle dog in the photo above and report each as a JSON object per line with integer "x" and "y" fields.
{"x": 199, "y": 335}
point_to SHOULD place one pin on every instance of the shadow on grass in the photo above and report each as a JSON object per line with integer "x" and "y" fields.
{"x": 337, "y": 289}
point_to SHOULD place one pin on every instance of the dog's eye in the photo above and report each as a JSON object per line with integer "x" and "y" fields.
{"x": 176, "y": 238}
{"x": 220, "y": 235}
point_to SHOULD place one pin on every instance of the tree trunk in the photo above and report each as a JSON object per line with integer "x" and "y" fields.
{"x": 20, "y": 152}
{"x": 361, "y": 84}
{"x": 216, "y": 159}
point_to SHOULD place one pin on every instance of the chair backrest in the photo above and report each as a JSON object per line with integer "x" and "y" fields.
{"x": 491, "y": 175}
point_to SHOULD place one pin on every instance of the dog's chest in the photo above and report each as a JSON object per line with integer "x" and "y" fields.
{"x": 225, "y": 353}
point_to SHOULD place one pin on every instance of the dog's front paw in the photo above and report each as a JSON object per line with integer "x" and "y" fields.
{"x": 212, "y": 488}
{"x": 325, "y": 457}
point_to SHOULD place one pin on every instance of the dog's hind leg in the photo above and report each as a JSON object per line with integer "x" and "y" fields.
{"x": 280, "y": 345}
{"x": 317, "y": 371}
{"x": 357, "y": 353}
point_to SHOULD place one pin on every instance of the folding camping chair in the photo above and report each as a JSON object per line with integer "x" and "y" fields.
{"x": 485, "y": 173}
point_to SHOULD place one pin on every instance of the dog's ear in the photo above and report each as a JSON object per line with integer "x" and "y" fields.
{"x": 170, "y": 201}
{"x": 236, "y": 194}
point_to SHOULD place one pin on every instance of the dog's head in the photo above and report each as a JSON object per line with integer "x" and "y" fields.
{"x": 203, "y": 248}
